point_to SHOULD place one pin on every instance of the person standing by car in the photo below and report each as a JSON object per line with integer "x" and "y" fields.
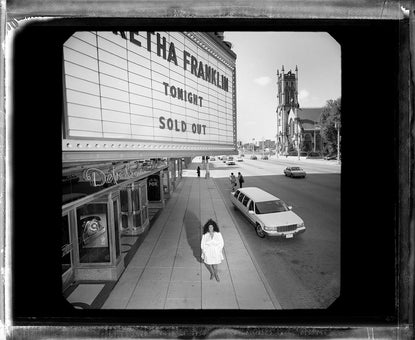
{"x": 232, "y": 178}
{"x": 212, "y": 245}
{"x": 240, "y": 179}
{"x": 198, "y": 171}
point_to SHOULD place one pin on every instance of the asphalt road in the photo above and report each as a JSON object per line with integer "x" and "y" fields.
{"x": 303, "y": 272}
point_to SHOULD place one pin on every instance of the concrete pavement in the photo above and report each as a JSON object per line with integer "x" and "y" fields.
{"x": 166, "y": 272}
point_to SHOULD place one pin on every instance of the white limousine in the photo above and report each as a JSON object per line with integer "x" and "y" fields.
{"x": 270, "y": 215}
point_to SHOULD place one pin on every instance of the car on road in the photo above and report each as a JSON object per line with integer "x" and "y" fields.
{"x": 265, "y": 157}
{"x": 313, "y": 154}
{"x": 253, "y": 157}
{"x": 224, "y": 159}
{"x": 242, "y": 155}
{"x": 230, "y": 161}
{"x": 330, "y": 157}
{"x": 294, "y": 171}
{"x": 212, "y": 159}
{"x": 270, "y": 215}
{"x": 239, "y": 159}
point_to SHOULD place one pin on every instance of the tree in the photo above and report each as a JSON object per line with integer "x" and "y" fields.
{"x": 330, "y": 115}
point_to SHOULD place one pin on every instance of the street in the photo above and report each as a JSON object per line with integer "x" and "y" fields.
{"x": 303, "y": 272}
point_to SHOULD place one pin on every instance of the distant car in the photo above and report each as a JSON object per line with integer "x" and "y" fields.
{"x": 242, "y": 155}
{"x": 330, "y": 157}
{"x": 253, "y": 157}
{"x": 313, "y": 154}
{"x": 230, "y": 161}
{"x": 270, "y": 215}
{"x": 264, "y": 157}
{"x": 239, "y": 159}
{"x": 212, "y": 159}
{"x": 224, "y": 159}
{"x": 294, "y": 171}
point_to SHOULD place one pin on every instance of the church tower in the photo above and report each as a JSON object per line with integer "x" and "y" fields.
{"x": 287, "y": 111}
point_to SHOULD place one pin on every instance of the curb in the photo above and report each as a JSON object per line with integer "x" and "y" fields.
{"x": 256, "y": 265}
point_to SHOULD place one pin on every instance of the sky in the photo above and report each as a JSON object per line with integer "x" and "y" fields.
{"x": 259, "y": 56}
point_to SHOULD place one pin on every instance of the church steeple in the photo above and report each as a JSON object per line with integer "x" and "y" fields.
{"x": 287, "y": 88}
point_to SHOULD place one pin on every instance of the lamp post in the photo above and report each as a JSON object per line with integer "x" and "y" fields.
{"x": 337, "y": 125}
{"x": 316, "y": 128}
{"x": 276, "y": 144}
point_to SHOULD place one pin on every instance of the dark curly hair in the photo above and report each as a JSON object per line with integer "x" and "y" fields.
{"x": 208, "y": 223}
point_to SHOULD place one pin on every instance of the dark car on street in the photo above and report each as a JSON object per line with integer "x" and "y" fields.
{"x": 330, "y": 157}
{"x": 294, "y": 171}
{"x": 253, "y": 157}
{"x": 265, "y": 157}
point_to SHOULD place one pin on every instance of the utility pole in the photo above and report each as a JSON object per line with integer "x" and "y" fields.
{"x": 337, "y": 126}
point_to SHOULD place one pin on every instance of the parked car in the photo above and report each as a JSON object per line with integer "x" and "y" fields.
{"x": 242, "y": 155}
{"x": 270, "y": 215}
{"x": 294, "y": 171}
{"x": 265, "y": 157}
{"x": 330, "y": 157}
{"x": 313, "y": 154}
{"x": 230, "y": 161}
{"x": 253, "y": 157}
{"x": 212, "y": 159}
{"x": 239, "y": 159}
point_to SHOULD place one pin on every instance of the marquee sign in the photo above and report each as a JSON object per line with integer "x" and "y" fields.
{"x": 160, "y": 87}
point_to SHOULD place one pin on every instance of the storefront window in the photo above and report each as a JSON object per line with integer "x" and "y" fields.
{"x": 136, "y": 199}
{"x": 124, "y": 199}
{"x": 66, "y": 245}
{"x": 92, "y": 226}
{"x": 137, "y": 219}
{"x": 116, "y": 227}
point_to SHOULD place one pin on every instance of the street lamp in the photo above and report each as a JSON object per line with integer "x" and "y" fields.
{"x": 316, "y": 128}
{"x": 276, "y": 143}
{"x": 337, "y": 125}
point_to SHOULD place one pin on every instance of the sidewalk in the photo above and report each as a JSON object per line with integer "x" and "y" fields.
{"x": 166, "y": 272}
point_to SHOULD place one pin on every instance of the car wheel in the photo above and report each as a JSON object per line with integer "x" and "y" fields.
{"x": 259, "y": 231}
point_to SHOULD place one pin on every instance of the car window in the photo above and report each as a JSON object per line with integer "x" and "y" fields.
{"x": 270, "y": 207}
{"x": 236, "y": 194}
{"x": 245, "y": 201}
{"x": 251, "y": 205}
{"x": 296, "y": 168}
{"x": 241, "y": 197}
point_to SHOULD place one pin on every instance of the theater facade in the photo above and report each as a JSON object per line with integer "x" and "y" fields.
{"x": 137, "y": 107}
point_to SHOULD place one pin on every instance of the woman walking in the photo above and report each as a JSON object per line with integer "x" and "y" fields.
{"x": 212, "y": 246}
{"x": 232, "y": 178}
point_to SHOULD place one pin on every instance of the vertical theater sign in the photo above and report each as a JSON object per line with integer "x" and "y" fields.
{"x": 163, "y": 93}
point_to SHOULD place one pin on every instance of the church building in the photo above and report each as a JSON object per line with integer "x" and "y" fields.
{"x": 297, "y": 128}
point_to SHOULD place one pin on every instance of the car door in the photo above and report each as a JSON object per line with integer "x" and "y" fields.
{"x": 239, "y": 202}
{"x": 245, "y": 202}
{"x": 251, "y": 206}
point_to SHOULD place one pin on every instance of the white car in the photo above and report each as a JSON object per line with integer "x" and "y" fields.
{"x": 230, "y": 161}
{"x": 270, "y": 215}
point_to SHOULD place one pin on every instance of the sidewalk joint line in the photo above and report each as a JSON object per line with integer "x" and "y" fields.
{"x": 152, "y": 250}
{"x": 177, "y": 249}
{"x": 226, "y": 257}
{"x": 271, "y": 294}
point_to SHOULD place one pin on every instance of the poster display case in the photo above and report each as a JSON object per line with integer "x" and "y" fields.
{"x": 91, "y": 247}
{"x": 134, "y": 208}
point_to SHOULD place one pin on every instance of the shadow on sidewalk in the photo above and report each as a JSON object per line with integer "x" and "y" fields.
{"x": 193, "y": 227}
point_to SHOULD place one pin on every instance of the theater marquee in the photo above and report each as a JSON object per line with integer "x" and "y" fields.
{"x": 154, "y": 91}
